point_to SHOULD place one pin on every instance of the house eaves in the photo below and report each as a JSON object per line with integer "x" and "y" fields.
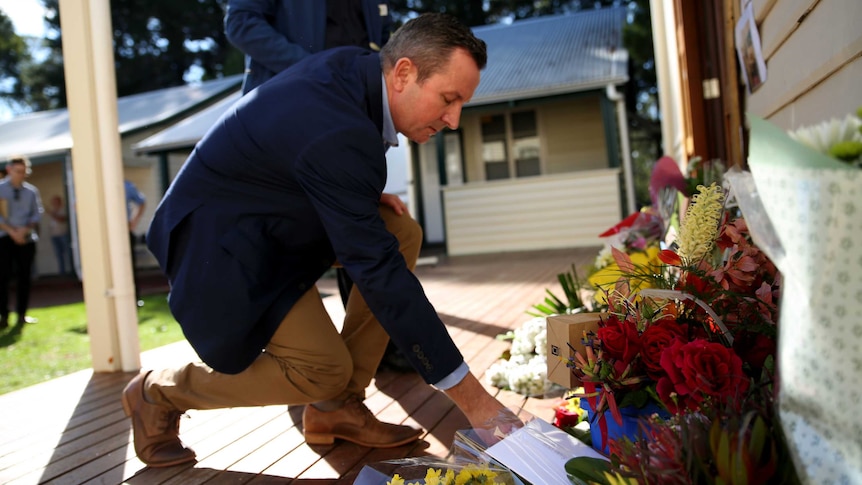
{"x": 46, "y": 134}
{"x": 186, "y": 133}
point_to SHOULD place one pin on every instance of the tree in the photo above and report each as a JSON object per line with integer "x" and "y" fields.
{"x": 13, "y": 53}
{"x": 157, "y": 44}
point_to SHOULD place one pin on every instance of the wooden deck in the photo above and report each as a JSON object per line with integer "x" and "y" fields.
{"x": 72, "y": 429}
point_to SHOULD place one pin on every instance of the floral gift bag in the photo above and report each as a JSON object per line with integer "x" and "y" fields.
{"x": 814, "y": 202}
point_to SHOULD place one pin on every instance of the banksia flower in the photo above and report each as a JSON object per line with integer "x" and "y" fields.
{"x": 700, "y": 226}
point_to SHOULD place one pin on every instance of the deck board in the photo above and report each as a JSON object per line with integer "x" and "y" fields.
{"x": 72, "y": 429}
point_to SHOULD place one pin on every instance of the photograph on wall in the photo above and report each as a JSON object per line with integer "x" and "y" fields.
{"x": 749, "y": 51}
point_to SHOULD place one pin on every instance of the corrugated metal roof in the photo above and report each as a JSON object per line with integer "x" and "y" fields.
{"x": 552, "y": 55}
{"x": 46, "y": 133}
{"x": 187, "y": 132}
{"x": 526, "y": 59}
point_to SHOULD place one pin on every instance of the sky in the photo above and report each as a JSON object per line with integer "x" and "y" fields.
{"x": 26, "y": 16}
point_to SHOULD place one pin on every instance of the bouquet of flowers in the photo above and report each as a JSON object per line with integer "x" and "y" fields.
{"x": 695, "y": 335}
{"x": 809, "y": 184}
{"x": 466, "y": 464}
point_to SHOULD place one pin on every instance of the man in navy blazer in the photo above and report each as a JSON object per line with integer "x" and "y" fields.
{"x": 283, "y": 185}
{"x": 276, "y": 34}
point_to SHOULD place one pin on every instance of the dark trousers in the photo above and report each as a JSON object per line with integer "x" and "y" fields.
{"x": 22, "y": 259}
{"x": 63, "y": 253}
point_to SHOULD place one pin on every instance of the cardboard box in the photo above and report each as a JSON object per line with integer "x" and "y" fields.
{"x": 565, "y": 330}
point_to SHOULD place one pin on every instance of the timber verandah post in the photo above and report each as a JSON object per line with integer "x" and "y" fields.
{"x": 109, "y": 294}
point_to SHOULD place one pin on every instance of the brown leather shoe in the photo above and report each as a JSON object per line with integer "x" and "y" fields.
{"x": 354, "y": 422}
{"x": 156, "y": 428}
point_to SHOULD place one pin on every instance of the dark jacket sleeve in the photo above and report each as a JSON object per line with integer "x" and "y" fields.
{"x": 251, "y": 26}
{"x": 344, "y": 181}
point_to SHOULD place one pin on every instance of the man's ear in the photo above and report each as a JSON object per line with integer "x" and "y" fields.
{"x": 402, "y": 73}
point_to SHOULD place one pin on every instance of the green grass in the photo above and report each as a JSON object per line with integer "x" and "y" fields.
{"x": 58, "y": 344}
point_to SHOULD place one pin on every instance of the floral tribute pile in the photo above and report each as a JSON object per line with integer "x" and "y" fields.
{"x": 694, "y": 332}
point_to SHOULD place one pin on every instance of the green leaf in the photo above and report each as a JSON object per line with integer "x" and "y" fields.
{"x": 591, "y": 470}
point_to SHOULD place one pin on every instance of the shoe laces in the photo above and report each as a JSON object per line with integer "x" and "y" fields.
{"x": 169, "y": 421}
{"x": 356, "y": 402}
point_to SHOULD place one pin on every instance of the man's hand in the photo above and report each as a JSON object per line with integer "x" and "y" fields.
{"x": 19, "y": 235}
{"x": 394, "y": 202}
{"x": 487, "y": 415}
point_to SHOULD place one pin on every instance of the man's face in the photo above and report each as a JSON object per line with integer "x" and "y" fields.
{"x": 17, "y": 173}
{"x": 419, "y": 110}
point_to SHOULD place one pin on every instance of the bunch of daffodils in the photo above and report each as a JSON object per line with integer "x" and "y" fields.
{"x": 469, "y": 475}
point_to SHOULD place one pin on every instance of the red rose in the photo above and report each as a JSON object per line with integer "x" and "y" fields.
{"x": 655, "y": 339}
{"x": 700, "y": 369}
{"x": 620, "y": 339}
{"x": 754, "y": 348}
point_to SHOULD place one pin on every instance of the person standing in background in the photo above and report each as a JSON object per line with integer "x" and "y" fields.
{"x": 135, "y": 205}
{"x": 276, "y": 34}
{"x": 22, "y": 211}
{"x": 58, "y": 226}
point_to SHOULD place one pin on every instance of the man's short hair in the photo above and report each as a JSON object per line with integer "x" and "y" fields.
{"x": 428, "y": 40}
{"x": 19, "y": 160}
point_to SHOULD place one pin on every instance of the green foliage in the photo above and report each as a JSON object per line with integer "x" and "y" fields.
{"x": 58, "y": 344}
{"x": 848, "y": 151}
{"x": 13, "y": 53}
{"x": 589, "y": 470}
{"x": 552, "y": 305}
{"x": 156, "y": 44}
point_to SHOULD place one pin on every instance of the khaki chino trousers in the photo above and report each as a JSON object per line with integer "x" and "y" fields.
{"x": 307, "y": 360}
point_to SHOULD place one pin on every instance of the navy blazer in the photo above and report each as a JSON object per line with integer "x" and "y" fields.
{"x": 283, "y": 184}
{"x": 276, "y": 34}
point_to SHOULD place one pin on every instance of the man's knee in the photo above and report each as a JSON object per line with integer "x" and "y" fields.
{"x": 405, "y": 228}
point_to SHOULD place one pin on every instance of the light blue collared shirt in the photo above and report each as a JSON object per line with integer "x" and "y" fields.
{"x": 390, "y": 136}
{"x": 390, "y": 139}
{"x": 23, "y": 206}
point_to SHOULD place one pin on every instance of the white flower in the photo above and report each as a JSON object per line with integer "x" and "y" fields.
{"x": 542, "y": 343}
{"x": 498, "y": 374}
{"x": 822, "y": 137}
{"x": 605, "y": 257}
{"x": 530, "y": 379}
{"x": 524, "y": 342}
{"x": 525, "y": 372}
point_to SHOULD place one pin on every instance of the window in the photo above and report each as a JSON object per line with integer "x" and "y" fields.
{"x": 514, "y": 133}
{"x": 494, "y": 147}
{"x": 526, "y": 143}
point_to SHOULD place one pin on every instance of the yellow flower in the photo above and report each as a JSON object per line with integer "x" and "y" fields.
{"x": 396, "y": 480}
{"x": 646, "y": 263}
{"x": 432, "y": 477}
{"x": 473, "y": 474}
{"x": 700, "y": 227}
{"x": 449, "y": 478}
